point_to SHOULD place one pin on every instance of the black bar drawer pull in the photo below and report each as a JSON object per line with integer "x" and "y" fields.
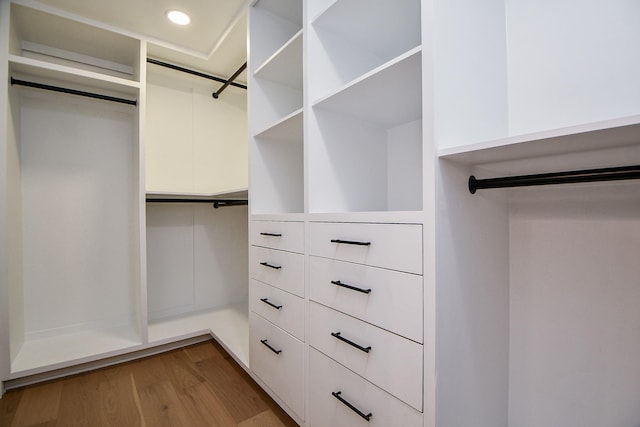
{"x": 350, "y": 242}
{"x": 271, "y": 234}
{"x": 270, "y": 348}
{"x": 266, "y": 301}
{"x": 359, "y": 347}
{"x": 344, "y": 285}
{"x": 266, "y": 264}
{"x": 337, "y": 394}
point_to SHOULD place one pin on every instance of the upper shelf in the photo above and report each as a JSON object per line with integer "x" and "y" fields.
{"x": 604, "y": 137}
{"x": 58, "y": 40}
{"x": 389, "y": 95}
{"x": 47, "y": 72}
{"x": 285, "y": 65}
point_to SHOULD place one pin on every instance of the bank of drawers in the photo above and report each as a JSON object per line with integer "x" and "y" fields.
{"x": 366, "y": 315}
{"x": 276, "y": 301}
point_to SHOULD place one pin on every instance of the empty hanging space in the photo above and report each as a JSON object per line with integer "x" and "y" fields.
{"x": 538, "y": 290}
{"x": 73, "y": 274}
{"x": 518, "y": 68}
{"x": 194, "y": 144}
{"x": 197, "y": 274}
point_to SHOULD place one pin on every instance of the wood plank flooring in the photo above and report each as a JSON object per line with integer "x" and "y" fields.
{"x": 199, "y": 385}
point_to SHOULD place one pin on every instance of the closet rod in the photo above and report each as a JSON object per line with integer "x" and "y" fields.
{"x": 571, "y": 177}
{"x": 218, "y": 203}
{"x": 193, "y": 72}
{"x": 228, "y": 82}
{"x": 72, "y": 91}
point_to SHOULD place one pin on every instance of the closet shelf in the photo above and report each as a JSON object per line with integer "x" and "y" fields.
{"x": 73, "y": 348}
{"x": 238, "y": 194}
{"x": 228, "y": 325}
{"x": 20, "y": 67}
{"x": 389, "y": 95}
{"x": 288, "y": 128}
{"x": 620, "y": 132}
{"x": 285, "y": 65}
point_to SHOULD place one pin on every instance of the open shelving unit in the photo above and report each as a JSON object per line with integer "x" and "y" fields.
{"x": 276, "y": 107}
{"x": 365, "y": 87}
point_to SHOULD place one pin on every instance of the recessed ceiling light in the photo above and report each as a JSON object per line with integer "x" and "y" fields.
{"x": 178, "y": 17}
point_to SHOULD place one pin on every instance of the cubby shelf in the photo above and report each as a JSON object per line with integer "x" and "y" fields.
{"x": 388, "y": 95}
{"x": 284, "y": 66}
{"x": 287, "y": 129}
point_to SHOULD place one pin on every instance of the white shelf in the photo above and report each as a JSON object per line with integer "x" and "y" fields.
{"x": 57, "y": 39}
{"x": 240, "y": 193}
{"x": 228, "y": 325}
{"x": 20, "y": 66}
{"x": 284, "y": 66}
{"x": 599, "y": 136}
{"x": 389, "y": 95}
{"x": 288, "y": 129}
{"x": 39, "y": 355}
{"x": 382, "y": 27}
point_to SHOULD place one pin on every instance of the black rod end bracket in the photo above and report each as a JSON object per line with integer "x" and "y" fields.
{"x": 473, "y": 182}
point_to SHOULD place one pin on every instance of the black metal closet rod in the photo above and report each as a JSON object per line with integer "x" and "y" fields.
{"x": 218, "y": 203}
{"x": 195, "y": 73}
{"x": 230, "y": 81}
{"x": 571, "y": 177}
{"x": 73, "y": 91}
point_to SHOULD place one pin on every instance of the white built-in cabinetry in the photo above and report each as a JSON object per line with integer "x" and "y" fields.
{"x": 90, "y": 270}
{"x": 511, "y": 307}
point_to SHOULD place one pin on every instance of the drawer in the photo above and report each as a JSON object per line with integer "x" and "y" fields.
{"x": 391, "y": 362}
{"x": 281, "y": 308}
{"x": 394, "y": 300}
{"x": 284, "y": 270}
{"x": 277, "y": 358}
{"x": 325, "y": 410}
{"x": 393, "y": 246}
{"x": 283, "y": 235}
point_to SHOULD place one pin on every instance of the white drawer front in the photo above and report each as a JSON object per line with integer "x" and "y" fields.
{"x": 393, "y": 246}
{"x": 325, "y": 410}
{"x": 284, "y": 270}
{"x": 386, "y": 298}
{"x": 283, "y": 235}
{"x": 392, "y": 362}
{"x": 281, "y": 308}
{"x": 281, "y": 365}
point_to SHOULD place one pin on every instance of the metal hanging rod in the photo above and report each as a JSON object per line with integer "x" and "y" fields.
{"x": 217, "y": 203}
{"x": 73, "y": 91}
{"x": 571, "y": 177}
{"x": 231, "y": 79}
{"x": 195, "y": 73}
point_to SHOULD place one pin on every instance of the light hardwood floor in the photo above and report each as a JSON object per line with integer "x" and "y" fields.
{"x": 199, "y": 385}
